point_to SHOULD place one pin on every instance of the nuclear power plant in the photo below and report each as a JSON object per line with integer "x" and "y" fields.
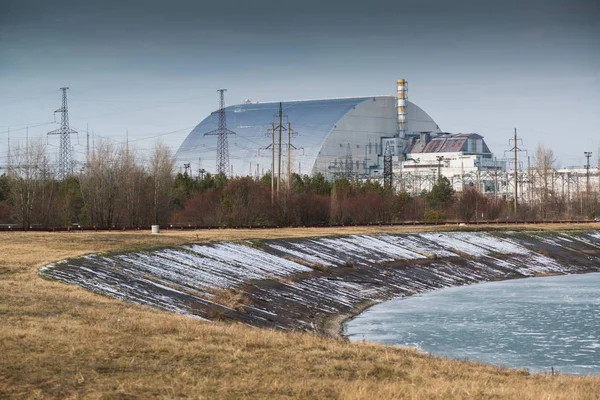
{"x": 375, "y": 137}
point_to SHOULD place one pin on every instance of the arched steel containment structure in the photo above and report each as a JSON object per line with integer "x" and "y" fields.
{"x": 329, "y": 133}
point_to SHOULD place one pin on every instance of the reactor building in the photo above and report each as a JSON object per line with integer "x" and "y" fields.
{"x": 339, "y": 137}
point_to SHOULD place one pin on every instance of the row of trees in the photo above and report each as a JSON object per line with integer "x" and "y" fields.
{"x": 545, "y": 194}
{"x": 117, "y": 188}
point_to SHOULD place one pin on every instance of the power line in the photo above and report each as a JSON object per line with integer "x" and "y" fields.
{"x": 27, "y": 126}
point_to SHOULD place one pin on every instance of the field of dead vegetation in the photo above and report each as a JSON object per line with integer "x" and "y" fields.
{"x": 60, "y": 341}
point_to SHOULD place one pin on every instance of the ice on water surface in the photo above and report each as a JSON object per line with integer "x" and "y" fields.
{"x": 537, "y": 323}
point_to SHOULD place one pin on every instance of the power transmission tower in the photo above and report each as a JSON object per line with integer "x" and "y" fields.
{"x": 388, "y": 175}
{"x": 348, "y": 165}
{"x": 65, "y": 162}
{"x": 222, "y": 132}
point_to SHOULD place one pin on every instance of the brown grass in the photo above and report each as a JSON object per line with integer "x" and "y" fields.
{"x": 231, "y": 298}
{"x": 60, "y": 341}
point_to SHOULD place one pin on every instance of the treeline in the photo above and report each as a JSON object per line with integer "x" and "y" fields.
{"x": 116, "y": 188}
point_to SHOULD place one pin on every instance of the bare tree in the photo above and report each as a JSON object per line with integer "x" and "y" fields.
{"x": 545, "y": 163}
{"x": 162, "y": 162}
{"x": 100, "y": 185}
{"x": 130, "y": 176}
{"x": 28, "y": 169}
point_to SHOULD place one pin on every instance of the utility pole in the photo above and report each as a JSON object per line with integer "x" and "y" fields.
{"x": 280, "y": 128}
{"x": 495, "y": 180}
{"x": 597, "y": 195}
{"x": 289, "y": 158}
{"x": 8, "y": 152}
{"x": 272, "y": 162}
{"x": 569, "y": 193}
{"x": 221, "y": 132}
{"x": 516, "y": 150}
{"x": 588, "y": 154}
{"x": 87, "y": 145}
{"x": 65, "y": 161}
{"x": 516, "y": 188}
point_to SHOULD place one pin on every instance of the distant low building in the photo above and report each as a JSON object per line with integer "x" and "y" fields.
{"x": 464, "y": 158}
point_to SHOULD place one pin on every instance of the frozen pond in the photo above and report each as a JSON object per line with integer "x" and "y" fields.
{"x": 534, "y": 323}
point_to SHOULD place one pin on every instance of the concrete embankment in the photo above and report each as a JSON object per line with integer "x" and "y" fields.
{"x": 313, "y": 284}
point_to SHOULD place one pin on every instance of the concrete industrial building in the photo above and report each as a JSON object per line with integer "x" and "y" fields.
{"x": 463, "y": 158}
{"x": 343, "y": 137}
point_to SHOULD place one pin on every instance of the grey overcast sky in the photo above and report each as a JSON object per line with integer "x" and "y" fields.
{"x": 152, "y": 67}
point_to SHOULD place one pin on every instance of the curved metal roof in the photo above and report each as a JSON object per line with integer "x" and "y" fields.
{"x": 312, "y": 119}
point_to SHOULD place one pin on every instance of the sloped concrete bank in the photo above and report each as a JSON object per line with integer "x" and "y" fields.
{"x": 313, "y": 284}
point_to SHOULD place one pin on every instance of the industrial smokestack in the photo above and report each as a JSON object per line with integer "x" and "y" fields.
{"x": 402, "y": 89}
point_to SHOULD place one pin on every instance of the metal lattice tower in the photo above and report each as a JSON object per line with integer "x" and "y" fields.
{"x": 348, "y": 164}
{"x": 222, "y": 132}
{"x": 65, "y": 162}
{"x": 387, "y": 167}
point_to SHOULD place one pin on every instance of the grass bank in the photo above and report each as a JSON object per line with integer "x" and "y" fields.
{"x": 60, "y": 341}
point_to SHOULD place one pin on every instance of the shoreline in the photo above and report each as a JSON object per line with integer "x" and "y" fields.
{"x": 532, "y": 369}
{"x": 333, "y": 326}
{"x": 336, "y": 279}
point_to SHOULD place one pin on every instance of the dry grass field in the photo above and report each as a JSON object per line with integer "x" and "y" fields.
{"x": 59, "y": 341}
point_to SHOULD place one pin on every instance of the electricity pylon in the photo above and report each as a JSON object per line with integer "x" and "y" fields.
{"x": 65, "y": 162}
{"x": 222, "y": 132}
